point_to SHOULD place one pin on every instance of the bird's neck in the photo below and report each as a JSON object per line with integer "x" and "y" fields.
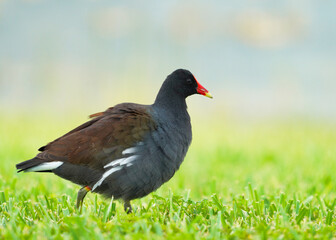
{"x": 167, "y": 99}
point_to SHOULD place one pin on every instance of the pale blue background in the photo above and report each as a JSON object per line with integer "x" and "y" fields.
{"x": 260, "y": 59}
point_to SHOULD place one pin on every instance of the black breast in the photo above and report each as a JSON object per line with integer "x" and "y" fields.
{"x": 159, "y": 156}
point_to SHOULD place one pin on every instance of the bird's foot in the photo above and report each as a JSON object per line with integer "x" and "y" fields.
{"x": 127, "y": 207}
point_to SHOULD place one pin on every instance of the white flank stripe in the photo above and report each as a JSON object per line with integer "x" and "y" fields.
{"x": 45, "y": 166}
{"x": 115, "y": 162}
{"x": 121, "y": 161}
{"x": 105, "y": 175}
{"x": 129, "y": 159}
{"x": 130, "y": 150}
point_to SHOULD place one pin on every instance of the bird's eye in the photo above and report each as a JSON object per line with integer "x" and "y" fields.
{"x": 189, "y": 81}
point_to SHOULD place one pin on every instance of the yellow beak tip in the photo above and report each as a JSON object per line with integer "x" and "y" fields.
{"x": 208, "y": 95}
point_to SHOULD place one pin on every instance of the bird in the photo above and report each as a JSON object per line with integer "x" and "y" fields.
{"x": 127, "y": 151}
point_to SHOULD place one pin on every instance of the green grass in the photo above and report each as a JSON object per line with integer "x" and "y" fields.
{"x": 255, "y": 181}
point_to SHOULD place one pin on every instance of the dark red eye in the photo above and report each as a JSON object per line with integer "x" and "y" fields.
{"x": 189, "y": 81}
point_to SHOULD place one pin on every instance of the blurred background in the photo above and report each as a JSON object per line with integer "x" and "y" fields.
{"x": 270, "y": 65}
{"x": 260, "y": 59}
{"x": 271, "y": 126}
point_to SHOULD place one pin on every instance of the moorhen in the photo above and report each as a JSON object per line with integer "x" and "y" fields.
{"x": 127, "y": 151}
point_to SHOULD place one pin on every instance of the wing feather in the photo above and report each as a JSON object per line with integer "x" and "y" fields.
{"x": 102, "y": 139}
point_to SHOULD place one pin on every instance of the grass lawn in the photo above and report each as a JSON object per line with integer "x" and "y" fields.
{"x": 237, "y": 181}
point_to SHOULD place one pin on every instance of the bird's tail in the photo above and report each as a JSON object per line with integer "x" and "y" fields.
{"x": 37, "y": 165}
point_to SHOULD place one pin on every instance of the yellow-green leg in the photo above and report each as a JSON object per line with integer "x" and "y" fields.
{"x": 81, "y": 195}
{"x": 127, "y": 207}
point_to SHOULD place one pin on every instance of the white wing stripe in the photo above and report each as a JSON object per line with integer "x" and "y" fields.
{"x": 105, "y": 175}
{"x": 45, "y": 166}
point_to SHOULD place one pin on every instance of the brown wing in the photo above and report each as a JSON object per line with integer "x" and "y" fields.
{"x": 103, "y": 138}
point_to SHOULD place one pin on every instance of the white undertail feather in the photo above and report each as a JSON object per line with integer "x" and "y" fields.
{"x": 45, "y": 166}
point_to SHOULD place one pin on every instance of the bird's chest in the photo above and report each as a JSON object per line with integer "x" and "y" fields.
{"x": 172, "y": 140}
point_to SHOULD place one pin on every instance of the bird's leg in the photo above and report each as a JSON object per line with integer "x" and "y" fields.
{"x": 127, "y": 207}
{"x": 81, "y": 195}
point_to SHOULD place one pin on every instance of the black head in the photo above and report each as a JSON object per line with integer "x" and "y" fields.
{"x": 185, "y": 84}
{"x": 177, "y": 86}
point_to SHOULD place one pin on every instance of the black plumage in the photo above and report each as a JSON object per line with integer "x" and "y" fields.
{"x": 129, "y": 150}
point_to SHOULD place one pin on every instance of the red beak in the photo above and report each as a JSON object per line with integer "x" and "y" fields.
{"x": 201, "y": 90}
